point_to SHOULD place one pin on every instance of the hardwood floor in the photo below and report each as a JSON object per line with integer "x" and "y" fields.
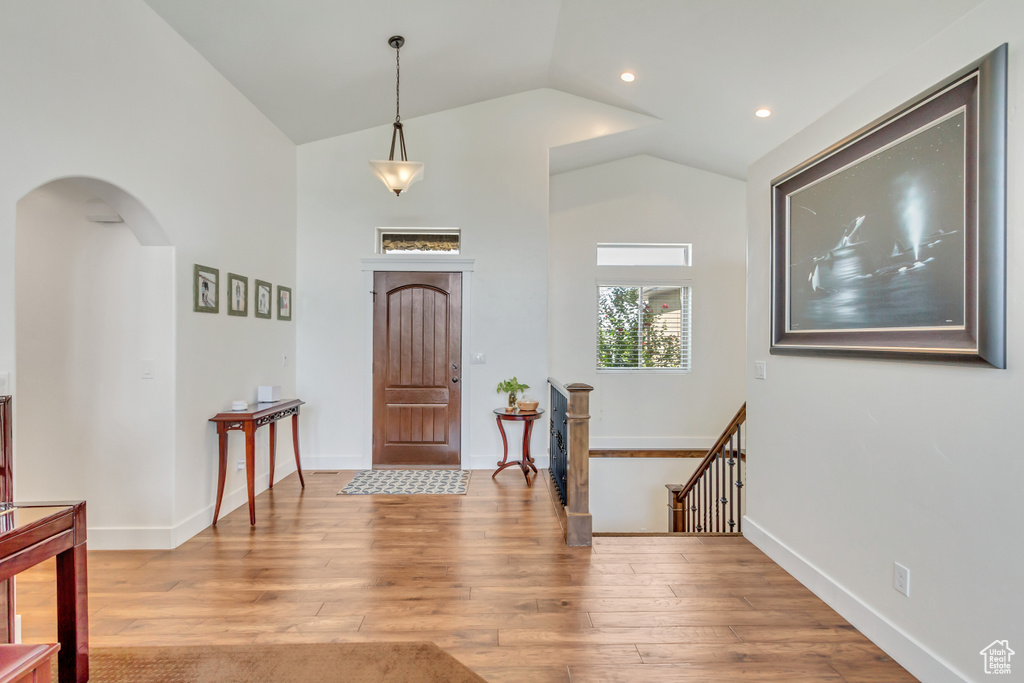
{"x": 486, "y": 576}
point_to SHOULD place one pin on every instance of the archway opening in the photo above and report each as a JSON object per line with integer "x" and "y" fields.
{"x": 94, "y": 366}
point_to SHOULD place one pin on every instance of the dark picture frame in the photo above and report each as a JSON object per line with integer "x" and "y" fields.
{"x": 284, "y": 303}
{"x": 205, "y": 288}
{"x": 892, "y": 242}
{"x": 238, "y": 295}
{"x": 263, "y": 301}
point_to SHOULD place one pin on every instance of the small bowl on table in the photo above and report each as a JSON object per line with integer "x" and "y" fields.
{"x": 528, "y": 406}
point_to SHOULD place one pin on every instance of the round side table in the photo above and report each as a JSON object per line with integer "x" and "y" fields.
{"x": 527, "y": 418}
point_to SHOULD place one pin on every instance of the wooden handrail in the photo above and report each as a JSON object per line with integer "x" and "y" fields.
{"x": 740, "y": 418}
{"x": 712, "y": 499}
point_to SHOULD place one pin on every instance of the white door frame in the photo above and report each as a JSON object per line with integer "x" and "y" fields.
{"x": 425, "y": 263}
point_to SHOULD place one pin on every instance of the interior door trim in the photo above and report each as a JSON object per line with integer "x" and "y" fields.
{"x": 416, "y": 263}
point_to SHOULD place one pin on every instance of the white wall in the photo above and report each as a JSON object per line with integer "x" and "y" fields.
{"x": 487, "y": 174}
{"x": 93, "y": 303}
{"x": 629, "y": 494}
{"x": 106, "y": 89}
{"x": 643, "y": 199}
{"x": 855, "y": 464}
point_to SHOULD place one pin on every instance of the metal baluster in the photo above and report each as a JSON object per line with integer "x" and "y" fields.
{"x": 739, "y": 480}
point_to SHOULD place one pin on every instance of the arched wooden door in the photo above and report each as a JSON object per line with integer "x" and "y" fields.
{"x": 417, "y": 372}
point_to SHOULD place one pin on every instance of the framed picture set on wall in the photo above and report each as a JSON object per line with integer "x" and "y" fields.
{"x": 238, "y": 295}
{"x": 205, "y": 282}
{"x": 892, "y": 242}
{"x": 264, "y": 298}
{"x": 284, "y": 303}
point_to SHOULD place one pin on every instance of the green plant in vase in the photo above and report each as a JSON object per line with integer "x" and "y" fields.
{"x": 513, "y": 387}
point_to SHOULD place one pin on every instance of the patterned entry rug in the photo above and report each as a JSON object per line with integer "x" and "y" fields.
{"x": 408, "y": 482}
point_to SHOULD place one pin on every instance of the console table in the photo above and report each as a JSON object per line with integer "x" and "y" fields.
{"x": 527, "y": 418}
{"x": 249, "y": 422}
{"x": 31, "y": 533}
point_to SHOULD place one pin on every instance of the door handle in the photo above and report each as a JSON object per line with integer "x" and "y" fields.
{"x": 455, "y": 380}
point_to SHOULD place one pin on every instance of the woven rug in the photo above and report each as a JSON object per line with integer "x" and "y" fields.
{"x": 408, "y": 482}
{"x": 414, "y": 662}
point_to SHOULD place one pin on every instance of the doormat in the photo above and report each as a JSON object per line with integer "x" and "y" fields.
{"x": 408, "y": 482}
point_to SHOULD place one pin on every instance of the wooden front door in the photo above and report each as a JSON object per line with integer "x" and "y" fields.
{"x": 417, "y": 369}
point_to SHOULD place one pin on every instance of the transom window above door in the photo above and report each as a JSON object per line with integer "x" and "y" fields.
{"x": 418, "y": 240}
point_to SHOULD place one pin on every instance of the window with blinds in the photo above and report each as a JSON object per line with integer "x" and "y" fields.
{"x": 643, "y": 327}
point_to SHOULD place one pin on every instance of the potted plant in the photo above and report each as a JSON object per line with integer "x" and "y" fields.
{"x": 512, "y": 387}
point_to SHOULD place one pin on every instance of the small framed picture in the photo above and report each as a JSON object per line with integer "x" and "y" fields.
{"x": 204, "y": 289}
{"x": 264, "y": 296}
{"x": 238, "y": 295}
{"x": 284, "y": 303}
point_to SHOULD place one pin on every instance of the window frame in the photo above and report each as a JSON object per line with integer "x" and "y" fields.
{"x": 378, "y": 247}
{"x": 685, "y": 247}
{"x": 686, "y": 324}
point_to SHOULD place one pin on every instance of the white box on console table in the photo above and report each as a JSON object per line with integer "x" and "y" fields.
{"x": 265, "y": 394}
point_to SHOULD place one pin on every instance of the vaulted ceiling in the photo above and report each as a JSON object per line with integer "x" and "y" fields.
{"x": 320, "y": 68}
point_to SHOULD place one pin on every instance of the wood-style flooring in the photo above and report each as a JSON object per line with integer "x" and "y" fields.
{"x": 486, "y": 576}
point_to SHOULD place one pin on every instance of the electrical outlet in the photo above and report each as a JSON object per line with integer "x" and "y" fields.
{"x": 239, "y": 465}
{"x": 760, "y": 370}
{"x": 901, "y": 578}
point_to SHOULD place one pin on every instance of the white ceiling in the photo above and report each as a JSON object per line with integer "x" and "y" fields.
{"x": 320, "y": 68}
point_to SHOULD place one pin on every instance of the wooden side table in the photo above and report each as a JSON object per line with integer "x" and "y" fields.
{"x": 26, "y": 663}
{"x": 31, "y": 533}
{"x": 249, "y": 422}
{"x": 527, "y": 418}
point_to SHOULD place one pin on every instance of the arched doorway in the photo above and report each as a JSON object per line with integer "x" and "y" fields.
{"x": 94, "y": 361}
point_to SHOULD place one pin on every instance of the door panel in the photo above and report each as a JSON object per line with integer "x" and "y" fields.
{"x": 417, "y": 351}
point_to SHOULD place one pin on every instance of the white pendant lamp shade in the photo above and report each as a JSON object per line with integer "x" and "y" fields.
{"x": 398, "y": 175}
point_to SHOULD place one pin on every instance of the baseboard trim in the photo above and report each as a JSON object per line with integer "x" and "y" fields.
{"x": 910, "y": 654}
{"x": 168, "y": 538}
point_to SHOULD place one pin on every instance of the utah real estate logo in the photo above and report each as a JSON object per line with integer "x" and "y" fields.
{"x": 997, "y": 657}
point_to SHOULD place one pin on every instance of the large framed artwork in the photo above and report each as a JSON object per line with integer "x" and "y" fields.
{"x": 892, "y": 242}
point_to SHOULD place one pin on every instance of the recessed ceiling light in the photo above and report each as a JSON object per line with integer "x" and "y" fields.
{"x": 628, "y": 76}
{"x": 763, "y": 113}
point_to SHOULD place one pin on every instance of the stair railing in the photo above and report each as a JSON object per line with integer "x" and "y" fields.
{"x": 712, "y": 501}
{"x": 569, "y": 457}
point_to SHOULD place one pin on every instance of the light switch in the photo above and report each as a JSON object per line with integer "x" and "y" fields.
{"x": 147, "y": 369}
{"x": 760, "y": 370}
{"x": 5, "y": 383}
{"x": 479, "y": 359}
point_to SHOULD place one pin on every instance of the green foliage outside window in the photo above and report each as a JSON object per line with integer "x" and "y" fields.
{"x": 640, "y": 327}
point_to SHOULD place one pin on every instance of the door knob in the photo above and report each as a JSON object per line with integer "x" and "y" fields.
{"x": 455, "y": 380}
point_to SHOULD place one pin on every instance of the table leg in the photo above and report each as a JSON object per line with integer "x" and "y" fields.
{"x": 527, "y": 434}
{"x": 73, "y": 615}
{"x": 295, "y": 442}
{"x": 504, "y": 444}
{"x": 222, "y": 435}
{"x": 273, "y": 451}
{"x": 524, "y": 464}
{"x": 250, "y": 468}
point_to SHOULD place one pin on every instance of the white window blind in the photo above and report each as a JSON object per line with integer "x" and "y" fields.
{"x": 643, "y": 327}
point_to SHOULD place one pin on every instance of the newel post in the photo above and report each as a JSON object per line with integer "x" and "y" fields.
{"x": 579, "y": 526}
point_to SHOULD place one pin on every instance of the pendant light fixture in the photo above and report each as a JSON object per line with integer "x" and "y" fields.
{"x": 397, "y": 175}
